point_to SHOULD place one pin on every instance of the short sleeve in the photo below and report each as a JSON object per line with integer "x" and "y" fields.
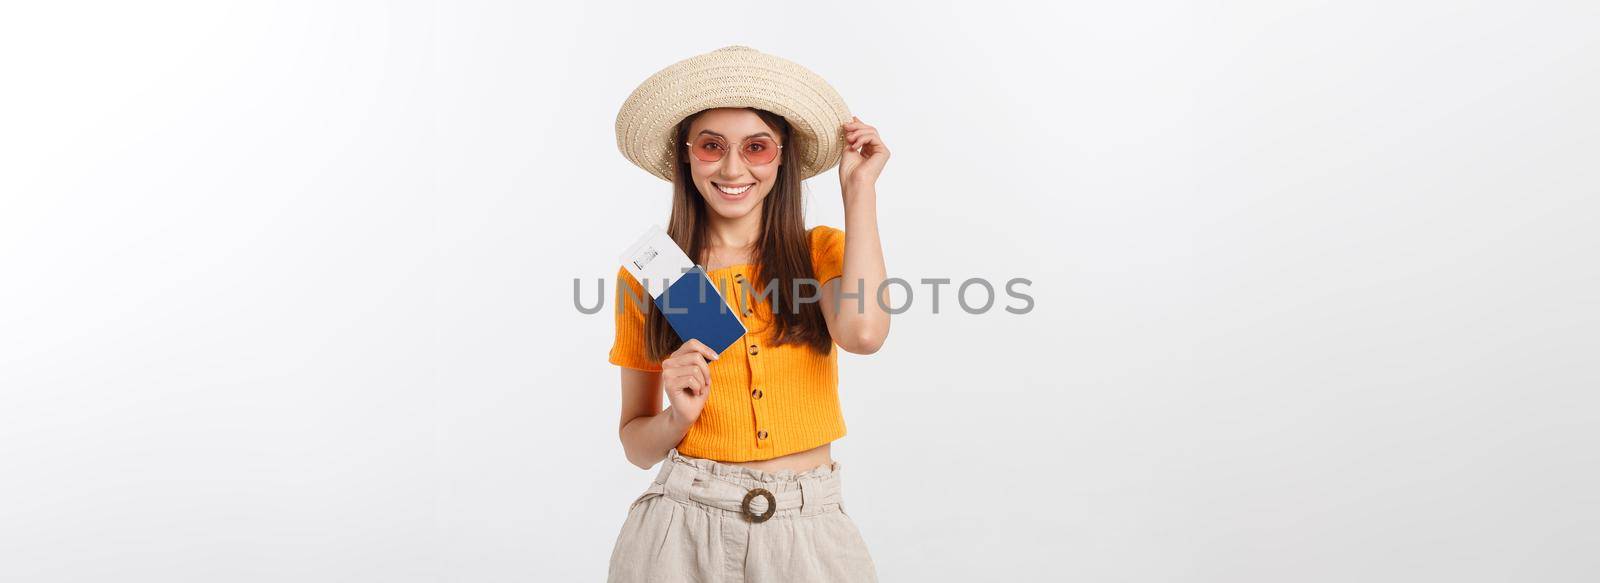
{"x": 827, "y": 252}
{"x": 629, "y": 347}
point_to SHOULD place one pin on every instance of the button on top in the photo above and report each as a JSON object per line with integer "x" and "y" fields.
{"x": 754, "y": 349}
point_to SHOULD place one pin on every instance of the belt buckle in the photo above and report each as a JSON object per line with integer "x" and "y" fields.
{"x": 772, "y": 504}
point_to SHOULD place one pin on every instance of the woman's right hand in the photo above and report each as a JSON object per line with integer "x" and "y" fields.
{"x": 686, "y": 377}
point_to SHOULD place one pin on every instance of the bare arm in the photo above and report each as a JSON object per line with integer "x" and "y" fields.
{"x": 648, "y": 432}
{"x": 859, "y": 323}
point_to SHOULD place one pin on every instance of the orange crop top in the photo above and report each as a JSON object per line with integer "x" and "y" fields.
{"x": 766, "y": 401}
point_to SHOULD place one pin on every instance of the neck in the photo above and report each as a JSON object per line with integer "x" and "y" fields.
{"x": 739, "y": 233}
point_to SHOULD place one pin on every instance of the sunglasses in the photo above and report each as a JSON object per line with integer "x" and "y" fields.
{"x": 755, "y": 151}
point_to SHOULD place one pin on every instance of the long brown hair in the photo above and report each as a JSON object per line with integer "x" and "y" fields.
{"x": 783, "y": 248}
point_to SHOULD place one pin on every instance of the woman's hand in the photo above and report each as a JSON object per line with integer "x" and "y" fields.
{"x": 686, "y": 377}
{"x": 864, "y": 156}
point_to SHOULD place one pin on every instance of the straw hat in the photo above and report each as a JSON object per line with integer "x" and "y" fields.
{"x": 733, "y": 76}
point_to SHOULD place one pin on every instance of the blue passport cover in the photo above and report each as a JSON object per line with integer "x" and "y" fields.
{"x": 695, "y": 309}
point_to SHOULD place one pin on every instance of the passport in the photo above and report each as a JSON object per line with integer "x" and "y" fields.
{"x": 682, "y": 291}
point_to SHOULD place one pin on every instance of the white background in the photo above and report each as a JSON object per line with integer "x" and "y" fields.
{"x": 287, "y": 287}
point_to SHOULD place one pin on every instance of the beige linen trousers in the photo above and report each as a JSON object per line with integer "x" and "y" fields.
{"x": 694, "y": 524}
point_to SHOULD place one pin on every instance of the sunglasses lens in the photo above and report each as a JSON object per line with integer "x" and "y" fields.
{"x": 707, "y": 149}
{"x": 760, "y": 151}
{"x": 756, "y": 151}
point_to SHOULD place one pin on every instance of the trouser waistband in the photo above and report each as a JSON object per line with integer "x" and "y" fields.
{"x": 739, "y": 489}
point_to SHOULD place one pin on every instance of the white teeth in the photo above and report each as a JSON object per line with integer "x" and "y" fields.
{"x": 734, "y": 191}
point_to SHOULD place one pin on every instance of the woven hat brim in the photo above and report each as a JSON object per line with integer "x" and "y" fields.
{"x": 731, "y": 77}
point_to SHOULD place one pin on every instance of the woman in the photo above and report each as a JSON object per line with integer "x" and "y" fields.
{"x": 749, "y": 490}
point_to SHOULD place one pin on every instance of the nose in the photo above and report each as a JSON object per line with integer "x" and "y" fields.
{"x": 731, "y": 167}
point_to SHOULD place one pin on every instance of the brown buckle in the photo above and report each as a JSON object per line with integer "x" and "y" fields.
{"x": 772, "y": 504}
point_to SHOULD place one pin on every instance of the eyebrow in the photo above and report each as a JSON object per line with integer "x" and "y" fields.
{"x": 758, "y": 134}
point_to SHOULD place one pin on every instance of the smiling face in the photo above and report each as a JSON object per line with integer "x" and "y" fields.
{"x": 733, "y": 187}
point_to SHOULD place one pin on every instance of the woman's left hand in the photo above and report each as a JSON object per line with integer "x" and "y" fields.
{"x": 864, "y": 155}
